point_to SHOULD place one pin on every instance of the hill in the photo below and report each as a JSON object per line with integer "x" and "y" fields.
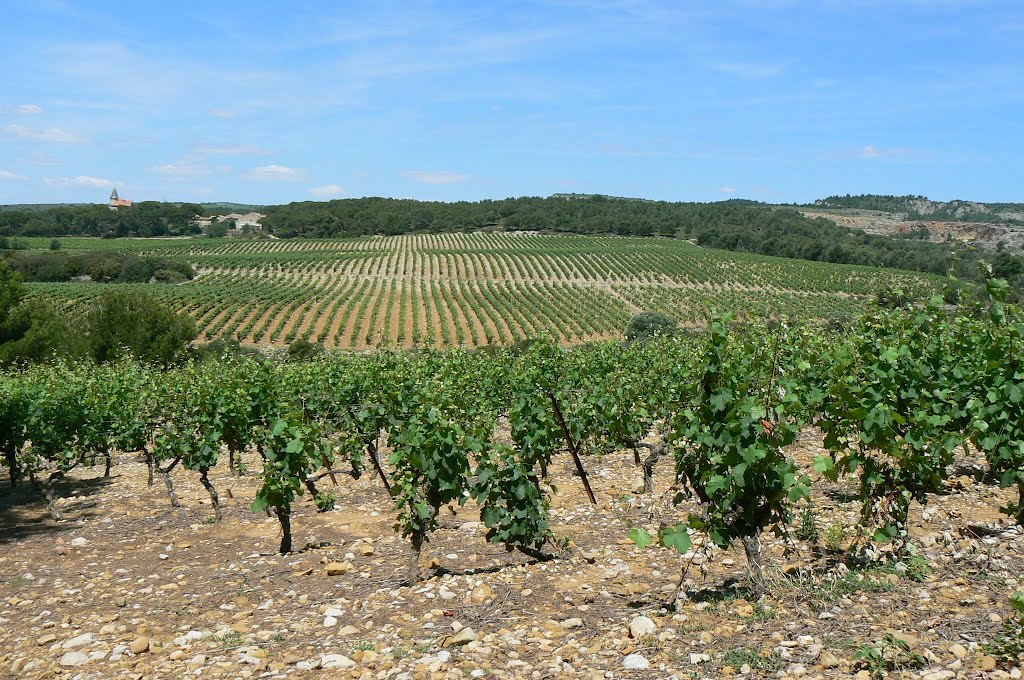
{"x": 474, "y": 290}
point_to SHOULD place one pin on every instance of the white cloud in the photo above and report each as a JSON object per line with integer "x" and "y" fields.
{"x": 181, "y": 170}
{"x": 871, "y": 152}
{"x": 228, "y": 149}
{"x": 23, "y": 109}
{"x": 48, "y": 135}
{"x": 82, "y": 181}
{"x": 222, "y": 113}
{"x": 328, "y": 191}
{"x": 7, "y": 174}
{"x": 436, "y": 177}
{"x": 279, "y": 173}
{"x": 727, "y": 190}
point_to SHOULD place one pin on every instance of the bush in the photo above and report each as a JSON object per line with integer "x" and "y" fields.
{"x": 647, "y": 325}
{"x": 303, "y": 350}
{"x": 122, "y": 323}
{"x": 169, "y": 276}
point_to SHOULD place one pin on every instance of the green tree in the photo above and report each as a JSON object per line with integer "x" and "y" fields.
{"x": 121, "y": 322}
{"x": 647, "y": 325}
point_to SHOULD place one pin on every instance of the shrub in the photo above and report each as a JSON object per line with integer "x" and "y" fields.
{"x": 647, "y": 325}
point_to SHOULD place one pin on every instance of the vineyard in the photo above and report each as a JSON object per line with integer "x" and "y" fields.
{"x": 710, "y": 431}
{"x": 473, "y": 290}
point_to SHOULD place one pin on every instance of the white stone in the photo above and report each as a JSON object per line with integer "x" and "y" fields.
{"x": 336, "y": 661}
{"x": 641, "y": 626}
{"x": 330, "y": 622}
{"x": 189, "y": 637}
{"x": 74, "y": 659}
{"x": 636, "y": 662}
{"x": 79, "y": 641}
{"x": 79, "y": 542}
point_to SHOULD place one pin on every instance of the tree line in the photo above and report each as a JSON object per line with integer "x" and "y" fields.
{"x": 146, "y": 218}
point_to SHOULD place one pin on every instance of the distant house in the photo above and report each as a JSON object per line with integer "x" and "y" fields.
{"x": 201, "y": 221}
{"x": 117, "y": 202}
{"x": 249, "y": 223}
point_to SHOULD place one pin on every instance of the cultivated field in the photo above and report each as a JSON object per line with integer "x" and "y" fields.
{"x": 477, "y": 289}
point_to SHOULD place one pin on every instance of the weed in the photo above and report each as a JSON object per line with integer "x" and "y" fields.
{"x": 808, "y": 529}
{"x": 1009, "y": 646}
{"x": 325, "y": 501}
{"x": 18, "y": 582}
{"x": 757, "y": 659}
{"x": 891, "y": 654}
{"x": 835, "y": 537}
{"x": 232, "y": 639}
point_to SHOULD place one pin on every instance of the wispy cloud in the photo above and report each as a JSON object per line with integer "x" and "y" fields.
{"x": 228, "y": 149}
{"x": 435, "y": 177}
{"x": 871, "y": 152}
{"x": 727, "y": 190}
{"x": 82, "y": 181}
{"x": 181, "y": 170}
{"x": 222, "y": 113}
{"x": 8, "y": 175}
{"x": 22, "y": 109}
{"x": 38, "y": 158}
{"x": 48, "y": 135}
{"x": 276, "y": 173}
{"x": 328, "y": 191}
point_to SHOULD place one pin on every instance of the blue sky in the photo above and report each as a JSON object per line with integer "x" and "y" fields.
{"x": 270, "y": 102}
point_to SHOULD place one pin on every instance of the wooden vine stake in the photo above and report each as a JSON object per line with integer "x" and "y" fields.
{"x": 572, "y": 449}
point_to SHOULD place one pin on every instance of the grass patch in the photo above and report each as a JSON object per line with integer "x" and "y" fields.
{"x": 758, "y": 659}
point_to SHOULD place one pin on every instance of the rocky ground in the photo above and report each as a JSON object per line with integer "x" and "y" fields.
{"x": 127, "y": 587}
{"x": 983, "y": 235}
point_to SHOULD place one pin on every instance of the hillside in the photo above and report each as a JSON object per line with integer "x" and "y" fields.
{"x": 984, "y": 225}
{"x": 476, "y": 289}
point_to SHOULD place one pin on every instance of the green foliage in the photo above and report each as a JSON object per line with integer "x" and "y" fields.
{"x": 729, "y": 436}
{"x": 756, "y": 658}
{"x": 218, "y": 229}
{"x": 303, "y": 350}
{"x": 835, "y": 537}
{"x": 647, "y": 325}
{"x": 808, "y": 528}
{"x": 122, "y": 322}
{"x": 890, "y": 654}
{"x": 895, "y": 413}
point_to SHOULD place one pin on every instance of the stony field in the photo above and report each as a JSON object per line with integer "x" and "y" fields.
{"x": 127, "y": 587}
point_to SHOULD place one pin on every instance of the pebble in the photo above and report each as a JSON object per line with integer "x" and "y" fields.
{"x": 79, "y": 641}
{"x": 74, "y": 659}
{"x": 462, "y": 637}
{"x": 336, "y": 661}
{"x": 635, "y": 662}
{"x": 641, "y": 626}
{"x": 338, "y": 568}
{"x": 79, "y": 542}
{"x": 140, "y": 645}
